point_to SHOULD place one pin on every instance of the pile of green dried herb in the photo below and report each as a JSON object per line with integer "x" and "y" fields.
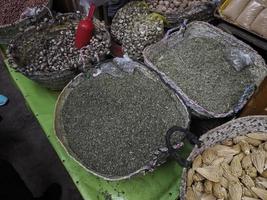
{"x": 114, "y": 125}
{"x": 199, "y": 67}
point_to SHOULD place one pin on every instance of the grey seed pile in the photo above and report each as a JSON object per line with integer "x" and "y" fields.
{"x": 173, "y": 6}
{"x": 125, "y": 19}
{"x": 114, "y": 125}
{"x": 199, "y": 68}
{"x": 52, "y": 49}
{"x": 135, "y": 29}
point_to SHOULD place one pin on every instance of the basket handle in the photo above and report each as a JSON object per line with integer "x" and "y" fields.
{"x": 179, "y": 28}
{"x": 172, "y": 151}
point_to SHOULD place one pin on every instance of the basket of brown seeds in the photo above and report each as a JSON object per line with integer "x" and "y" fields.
{"x": 46, "y": 53}
{"x": 230, "y": 164}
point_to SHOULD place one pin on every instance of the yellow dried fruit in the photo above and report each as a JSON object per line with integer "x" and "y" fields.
{"x": 190, "y": 175}
{"x": 212, "y": 173}
{"x": 258, "y": 160}
{"x": 236, "y": 167}
{"x": 197, "y": 162}
{"x": 224, "y": 182}
{"x": 260, "y": 192}
{"x": 244, "y": 146}
{"x": 228, "y": 142}
{"x": 251, "y": 171}
{"x": 247, "y": 181}
{"x": 224, "y": 151}
{"x": 208, "y": 156}
{"x": 235, "y": 191}
{"x": 219, "y": 191}
{"x": 190, "y": 194}
{"x": 208, "y": 187}
{"x": 246, "y": 162}
{"x": 258, "y": 136}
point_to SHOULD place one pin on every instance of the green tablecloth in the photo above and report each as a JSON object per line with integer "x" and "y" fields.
{"x": 162, "y": 184}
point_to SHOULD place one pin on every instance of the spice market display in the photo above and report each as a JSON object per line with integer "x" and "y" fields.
{"x": 145, "y": 99}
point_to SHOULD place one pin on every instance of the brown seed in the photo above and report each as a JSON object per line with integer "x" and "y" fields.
{"x": 198, "y": 177}
{"x": 190, "y": 194}
{"x": 208, "y": 156}
{"x": 208, "y": 187}
{"x": 197, "y": 162}
{"x": 218, "y": 161}
{"x": 236, "y": 167}
{"x": 245, "y": 147}
{"x": 249, "y": 198}
{"x": 238, "y": 139}
{"x": 224, "y": 182}
{"x": 261, "y": 182}
{"x": 212, "y": 173}
{"x": 247, "y": 181}
{"x": 208, "y": 197}
{"x": 219, "y": 191}
{"x": 227, "y": 173}
{"x": 264, "y": 174}
{"x": 258, "y": 160}
{"x": 246, "y": 162}
{"x": 224, "y": 151}
{"x": 228, "y": 142}
{"x": 251, "y": 171}
{"x": 260, "y": 192}
{"x": 253, "y": 141}
{"x": 235, "y": 191}
{"x": 199, "y": 187}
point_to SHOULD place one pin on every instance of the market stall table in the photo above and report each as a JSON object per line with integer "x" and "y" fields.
{"x": 162, "y": 184}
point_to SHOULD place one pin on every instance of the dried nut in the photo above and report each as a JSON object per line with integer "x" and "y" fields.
{"x": 247, "y": 181}
{"x": 245, "y": 147}
{"x": 190, "y": 194}
{"x": 248, "y": 198}
{"x": 219, "y": 191}
{"x": 241, "y": 156}
{"x": 258, "y": 136}
{"x": 199, "y": 187}
{"x": 247, "y": 192}
{"x": 265, "y": 146}
{"x": 224, "y": 151}
{"x": 260, "y": 192}
{"x": 237, "y": 147}
{"x": 218, "y": 161}
{"x": 212, "y": 173}
{"x": 261, "y": 183}
{"x": 197, "y": 162}
{"x": 235, "y": 191}
{"x": 208, "y": 187}
{"x": 246, "y": 162}
{"x": 258, "y": 160}
{"x": 228, "y": 142}
{"x": 236, "y": 167}
{"x": 190, "y": 175}
{"x": 224, "y": 182}
{"x": 251, "y": 171}
{"x": 208, "y": 156}
{"x": 227, "y": 173}
{"x": 253, "y": 142}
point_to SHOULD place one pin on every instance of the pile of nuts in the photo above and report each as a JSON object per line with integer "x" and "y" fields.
{"x": 233, "y": 170}
{"x": 135, "y": 28}
{"x": 11, "y": 10}
{"x": 52, "y": 49}
{"x": 173, "y": 6}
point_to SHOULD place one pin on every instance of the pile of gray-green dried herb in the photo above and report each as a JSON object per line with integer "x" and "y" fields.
{"x": 51, "y": 48}
{"x": 135, "y": 28}
{"x": 198, "y": 66}
{"x": 115, "y": 125}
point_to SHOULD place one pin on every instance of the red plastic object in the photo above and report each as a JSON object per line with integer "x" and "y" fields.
{"x": 85, "y": 29}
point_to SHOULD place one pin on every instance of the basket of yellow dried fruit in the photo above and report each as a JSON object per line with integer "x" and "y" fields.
{"x": 230, "y": 163}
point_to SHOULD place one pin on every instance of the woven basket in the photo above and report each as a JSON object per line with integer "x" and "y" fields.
{"x": 9, "y": 31}
{"x": 232, "y": 129}
{"x": 162, "y": 155}
{"x": 52, "y": 80}
{"x": 203, "y": 29}
{"x": 200, "y": 12}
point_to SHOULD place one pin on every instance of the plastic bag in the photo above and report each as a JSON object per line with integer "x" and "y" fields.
{"x": 234, "y": 9}
{"x": 238, "y": 59}
{"x": 250, "y": 13}
{"x": 260, "y": 24}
